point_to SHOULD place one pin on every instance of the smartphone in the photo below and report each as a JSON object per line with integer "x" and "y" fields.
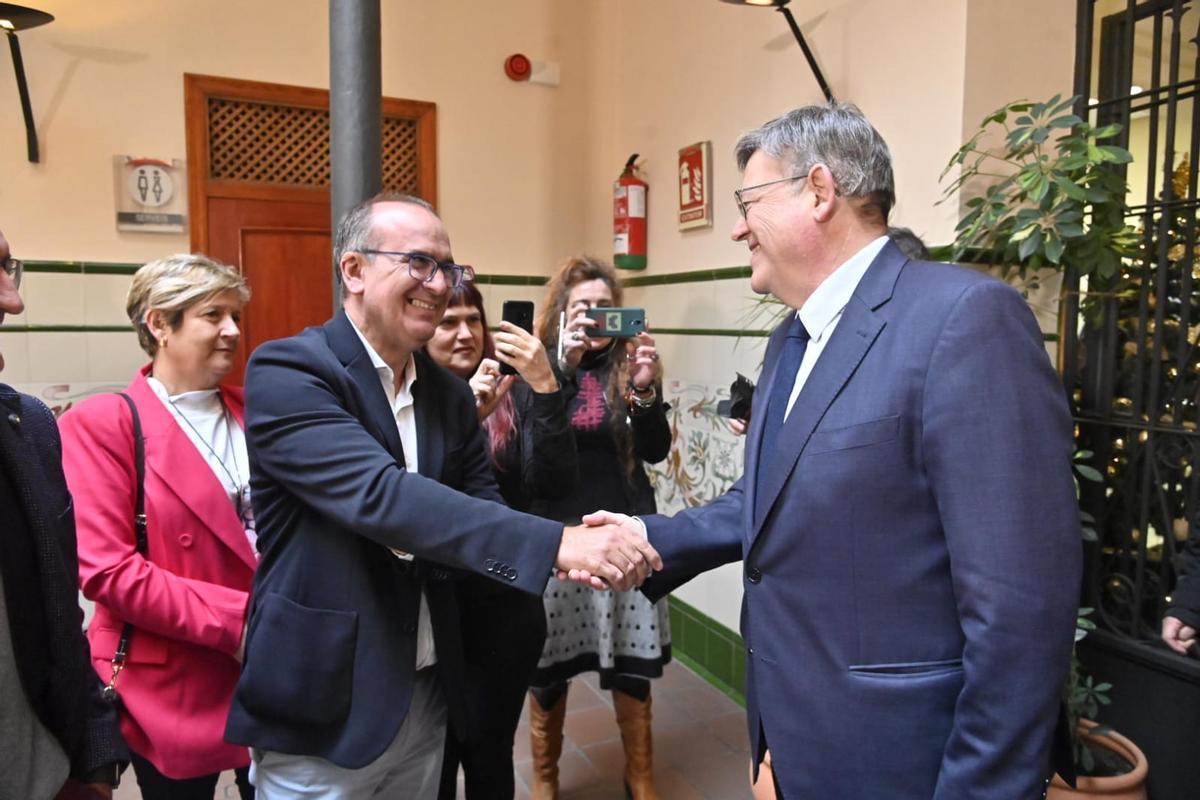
{"x": 613, "y": 322}
{"x": 519, "y": 313}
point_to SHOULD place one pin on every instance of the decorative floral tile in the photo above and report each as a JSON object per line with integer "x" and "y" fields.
{"x": 706, "y": 456}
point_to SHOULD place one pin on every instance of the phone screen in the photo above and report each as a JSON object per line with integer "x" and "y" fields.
{"x": 612, "y": 322}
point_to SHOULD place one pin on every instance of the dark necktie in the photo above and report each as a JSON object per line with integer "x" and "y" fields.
{"x": 781, "y": 391}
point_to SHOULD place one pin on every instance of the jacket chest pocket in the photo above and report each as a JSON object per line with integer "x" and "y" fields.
{"x": 863, "y": 434}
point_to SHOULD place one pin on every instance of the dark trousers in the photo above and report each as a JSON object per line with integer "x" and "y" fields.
{"x": 503, "y": 634}
{"x": 156, "y": 786}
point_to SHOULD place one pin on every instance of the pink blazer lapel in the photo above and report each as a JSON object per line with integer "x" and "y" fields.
{"x": 171, "y": 455}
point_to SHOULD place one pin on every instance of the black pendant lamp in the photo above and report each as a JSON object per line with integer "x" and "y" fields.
{"x": 781, "y": 7}
{"x": 15, "y": 18}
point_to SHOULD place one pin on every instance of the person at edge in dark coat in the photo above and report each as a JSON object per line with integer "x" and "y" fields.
{"x": 59, "y": 738}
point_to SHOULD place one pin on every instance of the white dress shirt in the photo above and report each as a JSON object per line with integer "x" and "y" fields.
{"x": 406, "y": 424}
{"x": 823, "y": 309}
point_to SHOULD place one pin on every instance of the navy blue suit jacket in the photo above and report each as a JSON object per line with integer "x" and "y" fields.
{"x": 331, "y": 650}
{"x": 912, "y": 572}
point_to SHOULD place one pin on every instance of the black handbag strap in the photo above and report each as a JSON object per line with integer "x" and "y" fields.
{"x": 139, "y": 524}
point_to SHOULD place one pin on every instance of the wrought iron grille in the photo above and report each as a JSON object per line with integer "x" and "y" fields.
{"x": 289, "y": 145}
{"x": 1131, "y": 350}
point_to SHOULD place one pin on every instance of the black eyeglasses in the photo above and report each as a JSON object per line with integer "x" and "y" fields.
{"x": 14, "y": 268}
{"x": 744, "y": 204}
{"x": 424, "y": 267}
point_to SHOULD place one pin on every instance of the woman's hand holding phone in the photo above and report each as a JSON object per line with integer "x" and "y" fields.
{"x": 489, "y": 387}
{"x": 524, "y": 352}
{"x": 575, "y": 338}
{"x": 644, "y": 366}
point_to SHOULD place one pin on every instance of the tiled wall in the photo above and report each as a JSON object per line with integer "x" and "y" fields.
{"x": 73, "y": 338}
{"x": 709, "y": 648}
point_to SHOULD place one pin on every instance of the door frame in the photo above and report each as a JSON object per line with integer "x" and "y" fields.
{"x": 197, "y": 89}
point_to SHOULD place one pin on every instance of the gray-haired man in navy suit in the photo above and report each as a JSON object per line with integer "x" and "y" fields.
{"x": 907, "y": 519}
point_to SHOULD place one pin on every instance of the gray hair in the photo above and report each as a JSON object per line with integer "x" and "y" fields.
{"x": 355, "y": 232}
{"x": 836, "y": 135}
{"x": 174, "y": 284}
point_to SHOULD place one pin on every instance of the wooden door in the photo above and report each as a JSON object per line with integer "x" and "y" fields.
{"x": 284, "y": 251}
{"x": 258, "y": 191}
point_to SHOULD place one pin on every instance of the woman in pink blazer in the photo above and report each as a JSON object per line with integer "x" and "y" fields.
{"x": 186, "y": 597}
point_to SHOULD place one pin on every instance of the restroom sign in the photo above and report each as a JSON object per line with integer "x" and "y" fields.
{"x": 151, "y": 194}
{"x": 695, "y": 186}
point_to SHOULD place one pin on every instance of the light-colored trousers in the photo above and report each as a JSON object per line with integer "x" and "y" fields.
{"x": 410, "y": 767}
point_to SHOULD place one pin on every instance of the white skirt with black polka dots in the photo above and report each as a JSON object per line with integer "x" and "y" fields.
{"x": 613, "y": 633}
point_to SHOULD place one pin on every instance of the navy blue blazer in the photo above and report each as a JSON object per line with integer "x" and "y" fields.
{"x": 331, "y": 648}
{"x": 912, "y": 572}
{"x": 41, "y": 588}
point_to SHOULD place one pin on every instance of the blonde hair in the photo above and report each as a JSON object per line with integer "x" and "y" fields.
{"x": 174, "y": 284}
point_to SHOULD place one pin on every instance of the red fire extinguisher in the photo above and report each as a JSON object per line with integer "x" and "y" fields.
{"x": 629, "y": 218}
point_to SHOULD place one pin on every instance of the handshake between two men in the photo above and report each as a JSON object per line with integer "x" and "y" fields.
{"x": 608, "y": 551}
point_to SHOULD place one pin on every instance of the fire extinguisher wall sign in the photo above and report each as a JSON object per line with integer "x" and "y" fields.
{"x": 629, "y": 218}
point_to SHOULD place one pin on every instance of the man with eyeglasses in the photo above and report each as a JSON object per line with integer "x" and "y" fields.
{"x": 371, "y": 482}
{"x": 907, "y": 520}
{"x": 58, "y": 737}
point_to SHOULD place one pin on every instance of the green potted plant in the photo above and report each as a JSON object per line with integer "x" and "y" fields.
{"x": 1042, "y": 195}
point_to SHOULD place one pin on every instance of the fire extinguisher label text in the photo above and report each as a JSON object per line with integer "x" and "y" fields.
{"x": 637, "y": 202}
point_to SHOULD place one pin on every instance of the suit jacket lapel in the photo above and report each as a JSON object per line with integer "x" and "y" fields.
{"x": 855, "y": 333}
{"x": 185, "y": 472}
{"x": 758, "y": 413}
{"x": 429, "y": 427}
{"x": 346, "y": 345}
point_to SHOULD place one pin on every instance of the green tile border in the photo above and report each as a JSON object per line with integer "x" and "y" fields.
{"x": 81, "y": 267}
{"x": 511, "y": 280}
{"x": 709, "y": 332}
{"x": 694, "y": 276}
{"x": 708, "y": 648}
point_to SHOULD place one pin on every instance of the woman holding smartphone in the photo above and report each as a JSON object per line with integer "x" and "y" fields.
{"x": 533, "y": 455}
{"x": 612, "y": 388}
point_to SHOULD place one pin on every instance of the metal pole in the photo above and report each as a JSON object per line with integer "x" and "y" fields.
{"x": 355, "y": 89}
{"x": 31, "y": 140}
{"x": 808, "y": 54}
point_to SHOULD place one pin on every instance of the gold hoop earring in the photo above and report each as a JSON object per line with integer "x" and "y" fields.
{"x": 163, "y": 343}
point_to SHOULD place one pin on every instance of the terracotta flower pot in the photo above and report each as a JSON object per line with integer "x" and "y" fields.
{"x": 1130, "y": 786}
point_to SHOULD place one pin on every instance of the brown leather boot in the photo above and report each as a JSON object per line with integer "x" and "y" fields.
{"x": 545, "y": 746}
{"x": 633, "y": 718}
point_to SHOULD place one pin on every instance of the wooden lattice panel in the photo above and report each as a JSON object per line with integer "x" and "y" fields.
{"x": 289, "y": 145}
{"x": 400, "y": 155}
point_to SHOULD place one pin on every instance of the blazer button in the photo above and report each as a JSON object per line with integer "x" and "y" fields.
{"x": 511, "y": 574}
{"x": 753, "y": 575}
{"x": 491, "y": 562}
{"x": 185, "y": 540}
{"x": 410, "y": 628}
{"x": 14, "y": 420}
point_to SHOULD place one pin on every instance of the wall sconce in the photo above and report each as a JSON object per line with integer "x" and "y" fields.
{"x": 781, "y": 7}
{"x": 15, "y": 18}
